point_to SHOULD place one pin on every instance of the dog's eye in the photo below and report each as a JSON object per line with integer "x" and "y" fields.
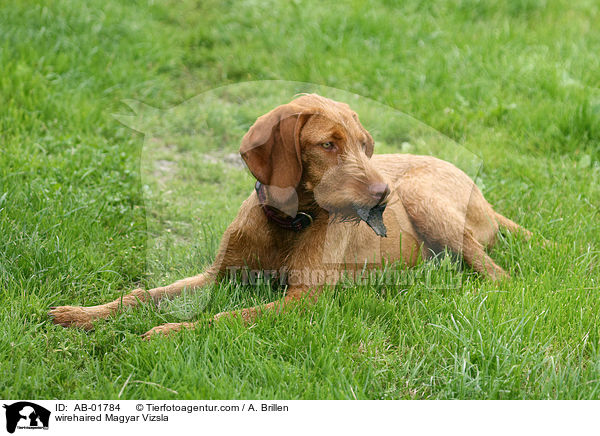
{"x": 327, "y": 145}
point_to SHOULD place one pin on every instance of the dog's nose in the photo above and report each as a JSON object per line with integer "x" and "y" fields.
{"x": 379, "y": 191}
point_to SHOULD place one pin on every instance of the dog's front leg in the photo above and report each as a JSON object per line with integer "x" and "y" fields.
{"x": 306, "y": 277}
{"x": 293, "y": 295}
{"x": 304, "y": 285}
{"x": 241, "y": 245}
{"x": 75, "y": 316}
{"x": 247, "y": 315}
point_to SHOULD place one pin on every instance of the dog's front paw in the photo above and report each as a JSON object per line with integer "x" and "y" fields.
{"x": 165, "y": 329}
{"x": 72, "y": 316}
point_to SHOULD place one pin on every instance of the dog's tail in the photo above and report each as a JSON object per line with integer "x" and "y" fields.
{"x": 512, "y": 226}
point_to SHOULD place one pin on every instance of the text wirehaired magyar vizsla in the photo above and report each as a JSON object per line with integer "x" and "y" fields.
{"x": 324, "y": 202}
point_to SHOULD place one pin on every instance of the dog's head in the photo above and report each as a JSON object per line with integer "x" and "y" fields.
{"x": 318, "y": 146}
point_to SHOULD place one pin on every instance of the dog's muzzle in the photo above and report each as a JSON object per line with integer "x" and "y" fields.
{"x": 374, "y": 218}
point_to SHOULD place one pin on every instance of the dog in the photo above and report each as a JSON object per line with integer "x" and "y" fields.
{"x": 324, "y": 202}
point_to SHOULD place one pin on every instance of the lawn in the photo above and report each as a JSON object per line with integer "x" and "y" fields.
{"x": 119, "y": 124}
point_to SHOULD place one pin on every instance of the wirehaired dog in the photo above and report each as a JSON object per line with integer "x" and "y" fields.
{"x": 324, "y": 202}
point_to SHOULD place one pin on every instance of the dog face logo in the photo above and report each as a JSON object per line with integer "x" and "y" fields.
{"x": 26, "y": 415}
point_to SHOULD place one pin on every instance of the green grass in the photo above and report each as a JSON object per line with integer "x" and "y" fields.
{"x": 83, "y": 214}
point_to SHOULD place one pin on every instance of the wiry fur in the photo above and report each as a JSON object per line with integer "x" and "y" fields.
{"x": 431, "y": 206}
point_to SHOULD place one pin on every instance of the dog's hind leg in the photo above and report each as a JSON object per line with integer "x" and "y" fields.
{"x": 511, "y": 226}
{"x": 474, "y": 254}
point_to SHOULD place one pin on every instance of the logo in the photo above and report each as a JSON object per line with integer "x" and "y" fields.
{"x": 26, "y": 415}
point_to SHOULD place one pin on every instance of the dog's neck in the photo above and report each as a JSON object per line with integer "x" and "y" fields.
{"x": 303, "y": 219}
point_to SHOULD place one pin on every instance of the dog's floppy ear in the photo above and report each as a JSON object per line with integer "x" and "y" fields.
{"x": 271, "y": 148}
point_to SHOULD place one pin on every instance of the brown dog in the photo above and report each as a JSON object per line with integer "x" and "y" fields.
{"x": 319, "y": 208}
